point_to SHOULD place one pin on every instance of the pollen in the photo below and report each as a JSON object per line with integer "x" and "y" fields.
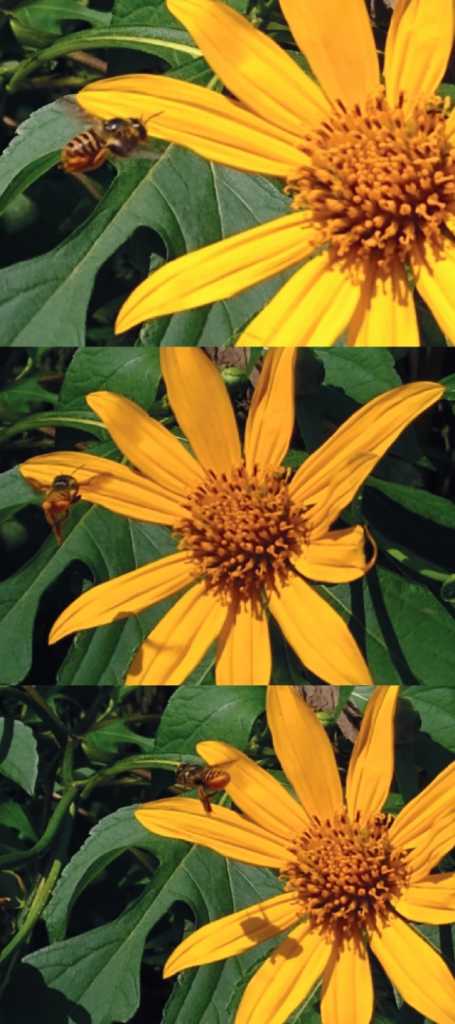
{"x": 242, "y": 531}
{"x": 379, "y": 183}
{"x": 346, "y": 875}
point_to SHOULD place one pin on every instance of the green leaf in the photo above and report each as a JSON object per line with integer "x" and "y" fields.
{"x": 134, "y": 373}
{"x": 18, "y": 754}
{"x": 436, "y": 707}
{"x": 108, "y": 737}
{"x": 225, "y": 711}
{"x": 361, "y": 373}
{"x": 46, "y": 298}
{"x": 13, "y": 816}
{"x": 106, "y": 983}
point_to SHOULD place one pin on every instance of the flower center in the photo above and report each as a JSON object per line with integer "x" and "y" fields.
{"x": 379, "y": 182}
{"x": 242, "y": 530}
{"x": 347, "y": 874}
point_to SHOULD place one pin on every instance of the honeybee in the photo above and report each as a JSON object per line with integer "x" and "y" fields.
{"x": 58, "y": 501}
{"x": 120, "y": 136}
{"x": 206, "y": 780}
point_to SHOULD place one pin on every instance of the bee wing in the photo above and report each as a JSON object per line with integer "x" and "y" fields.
{"x": 37, "y": 486}
{"x": 77, "y": 118}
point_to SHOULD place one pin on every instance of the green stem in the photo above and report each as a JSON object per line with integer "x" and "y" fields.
{"x": 43, "y": 891}
{"x": 129, "y": 764}
{"x": 55, "y": 821}
{"x": 33, "y": 698}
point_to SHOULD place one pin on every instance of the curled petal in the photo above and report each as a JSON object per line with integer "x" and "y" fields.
{"x": 430, "y": 901}
{"x": 418, "y": 816}
{"x": 202, "y": 406}
{"x": 234, "y": 934}
{"x": 338, "y": 557}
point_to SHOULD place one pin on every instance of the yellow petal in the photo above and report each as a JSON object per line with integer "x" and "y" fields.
{"x": 234, "y": 934}
{"x": 270, "y": 419}
{"x": 200, "y": 401}
{"x": 179, "y": 641}
{"x": 285, "y": 979}
{"x": 215, "y": 127}
{"x": 338, "y": 557}
{"x": 416, "y": 969}
{"x": 223, "y": 830}
{"x": 371, "y": 766}
{"x": 258, "y": 795}
{"x": 347, "y": 991}
{"x": 431, "y": 901}
{"x": 312, "y": 308}
{"x": 318, "y": 635}
{"x": 385, "y": 314}
{"x": 432, "y": 845}
{"x": 147, "y": 444}
{"x": 304, "y": 752}
{"x": 253, "y": 67}
{"x": 339, "y": 45}
{"x": 106, "y": 483}
{"x": 339, "y": 492}
{"x": 125, "y": 595}
{"x": 435, "y": 280}
{"x": 369, "y": 432}
{"x": 218, "y": 271}
{"x": 418, "y": 46}
{"x": 419, "y": 815}
{"x": 244, "y": 657}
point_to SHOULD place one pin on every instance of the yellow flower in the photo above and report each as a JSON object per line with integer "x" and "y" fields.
{"x": 370, "y": 169}
{"x": 351, "y": 873}
{"x": 249, "y": 535}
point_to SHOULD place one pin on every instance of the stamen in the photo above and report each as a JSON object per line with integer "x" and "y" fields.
{"x": 346, "y": 875}
{"x": 380, "y": 182}
{"x": 241, "y": 531}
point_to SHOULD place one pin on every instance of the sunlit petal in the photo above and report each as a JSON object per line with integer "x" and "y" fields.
{"x": 253, "y": 67}
{"x": 244, "y": 656}
{"x": 338, "y": 557}
{"x": 210, "y": 124}
{"x": 418, "y": 46}
{"x": 146, "y": 443}
{"x": 432, "y": 845}
{"x": 125, "y": 595}
{"x": 107, "y": 483}
{"x": 345, "y": 60}
{"x": 179, "y": 641}
{"x": 416, "y": 969}
{"x": 285, "y": 978}
{"x": 304, "y": 751}
{"x": 435, "y": 281}
{"x": 431, "y": 901}
{"x": 339, "y": 492}
{"x": 370, "y": 431}
{"x": 318, "y": 635}
{"x": 385, "y": 314}
{"x": 312, "y": 308}
{"x": 347, "y": 990}
{"x": 220, "y": 270}
{"x": 234, "y": 934}
{"x": 261, "y": 797}
{"x": 270, "y": 419}
{"x": 200, "y": 401}
{"x": 223, "y": 830}
{"x": 420, "y": 814}
{"x": 371, "y": 766}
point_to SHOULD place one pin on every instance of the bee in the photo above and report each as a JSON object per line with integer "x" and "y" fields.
{"x": 120, "y": 136}
{"x": 206, "y": 780}
{"x": 58, "y": 501}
